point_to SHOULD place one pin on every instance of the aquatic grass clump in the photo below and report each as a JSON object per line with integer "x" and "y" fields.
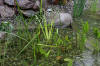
{"x": 93, "y": 7}
{"x": 78, "y": 7}
{"x": 82, "y": 36}
{"x": 96, "y": 45}
{"x": 47, "y": 31}
{"x": 96, "y": 33}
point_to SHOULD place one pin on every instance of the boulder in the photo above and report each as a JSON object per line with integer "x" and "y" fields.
{"x": 28, "y": 13}
{"x": 36, "y": 5}
{"x": 6, "y": 11}
{"x": 65, "y": 19}
{"x": 9, "y": 2}
{"x": 25, "y": 4}
{"x": 60, "y": 19}
{"x": 45, "y": 4}
{"x": 1, "y": 2}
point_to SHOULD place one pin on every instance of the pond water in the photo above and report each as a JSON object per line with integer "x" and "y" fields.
{"x": 87, "y": 58}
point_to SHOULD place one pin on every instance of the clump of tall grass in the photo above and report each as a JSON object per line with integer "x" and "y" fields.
{"x": 96, "y": 45}
{"x": 82, "y": 36}
{"x": 93, "y": 5}
{"x": 78, "y": 7}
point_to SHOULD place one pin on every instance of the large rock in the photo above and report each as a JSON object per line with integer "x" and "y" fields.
{"x": 60, "y": 20}
{"x": 9, "y": 2}
{"x": 24, "y": 4}
{"x": 28, "y": 13}
{"x": 6, "y": 11}
{"x": 1, "y": 2}
{"x": 36, "y": 5}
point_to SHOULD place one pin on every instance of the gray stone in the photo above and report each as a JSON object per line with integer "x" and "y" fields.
{"x": 25, "y": 4}
{"x": 45, "y": 4}
{"x": 1, "y": 2}
{"x": 9, "y": 2}
{"x": 36, "y": 5}
{"x": 63, "y": 19}
{"x": 28, "y": 13}
{"x": 6, "y": 11}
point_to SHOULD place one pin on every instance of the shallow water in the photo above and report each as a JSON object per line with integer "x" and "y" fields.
{"x": 87, "y": 58}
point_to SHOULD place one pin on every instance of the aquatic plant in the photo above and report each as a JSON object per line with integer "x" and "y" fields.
{"x": 96, "y": 45}
{"x": 46, "y": 31}
{"x": 6, "y": 26}
{"x": 70, "y": 61}
{"x": 78, "y": 7}
{"x": 82, "y": 35}
{"x": 93, "y": 7}
{"x": 96, "y": 32}
{"x": 41, "y": 42}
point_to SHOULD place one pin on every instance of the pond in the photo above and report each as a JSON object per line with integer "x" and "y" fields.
{"x": 48, "y": 46}
{"x": 88, "y": 58}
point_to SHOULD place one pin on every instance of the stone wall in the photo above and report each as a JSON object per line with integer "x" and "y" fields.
{"x": 27, "y": 7}
{"x": 8, "y": 8}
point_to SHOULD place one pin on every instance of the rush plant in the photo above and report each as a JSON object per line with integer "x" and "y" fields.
{"x": 78, "y": 7}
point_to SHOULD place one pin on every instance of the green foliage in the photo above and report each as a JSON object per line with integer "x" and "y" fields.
{"x": 97, "y": 33}
{"x": 70, "y": 61}
{"x": 42, "y": 51}
{"x": 28, "y": 44}
{"x": 6, "y": 26}
{"x": 94, "y": 6}
{"x": 46, "y": 30}
{"x": 96, "y": 47}
{"x": 82, "y": 35}
{"x": 85, "y": 27}
{"x": 78, "y": 7}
